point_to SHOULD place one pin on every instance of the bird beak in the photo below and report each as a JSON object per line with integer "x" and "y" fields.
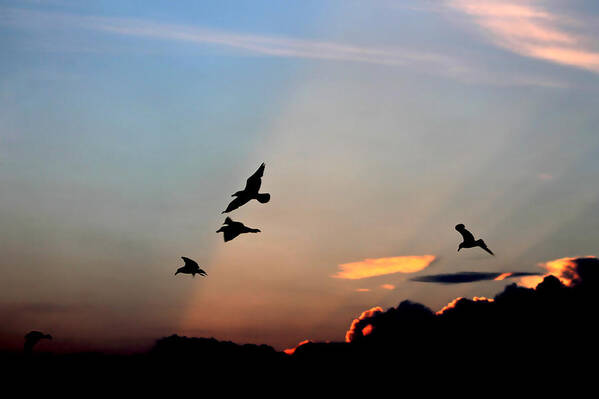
{"x": 176, "y": 273}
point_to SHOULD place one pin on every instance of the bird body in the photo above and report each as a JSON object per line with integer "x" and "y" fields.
{"x": 250, "y": 192}
{"x": 190, "y": 267}
{"x": 32, "y": 338}
{"x": 469, "y": 241}
{"x": 232, "y": 229}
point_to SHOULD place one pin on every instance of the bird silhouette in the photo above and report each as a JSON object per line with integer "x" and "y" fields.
{"x": 469, "y": 241}
{"x": 250, "y": 192}
{"x": 32, "y": 338}
{"x": 232, "y": 229}
{"x": 190, "y": 267}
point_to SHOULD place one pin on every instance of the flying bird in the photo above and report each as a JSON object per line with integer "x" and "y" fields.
{"x": 32, "y": 338}
{"x": 232, "y": 229}
{"x": 469, "y": 241}
{"x": 250, "y": 192}
{"x": 190, "y": 267}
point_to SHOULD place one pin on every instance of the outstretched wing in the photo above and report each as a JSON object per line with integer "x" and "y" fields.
{"x": 255, "y": 181}
{"x": 484, "y": 246}
{"x": 230, "y": 234}
{"x": 189, "y": 262}
{"x": 236, "y": 203}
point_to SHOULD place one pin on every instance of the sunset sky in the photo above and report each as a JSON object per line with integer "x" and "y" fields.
{"x": 125, "y": 126}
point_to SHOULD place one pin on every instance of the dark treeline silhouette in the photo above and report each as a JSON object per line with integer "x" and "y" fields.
{"x": 521, "y": 330}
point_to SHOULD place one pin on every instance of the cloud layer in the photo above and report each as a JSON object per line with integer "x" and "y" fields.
{"x": 469, "y": 277}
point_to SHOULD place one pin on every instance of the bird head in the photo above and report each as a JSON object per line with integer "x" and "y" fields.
{"x": 459, "y": 227}
{"x": 179, "y": 270}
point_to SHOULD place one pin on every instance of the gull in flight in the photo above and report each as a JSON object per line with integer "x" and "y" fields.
{"x": 250, "y": 192}
{"x": 190, "y": 267}
{"x": 232, "y": 229}
{"x": 469, "y": 241}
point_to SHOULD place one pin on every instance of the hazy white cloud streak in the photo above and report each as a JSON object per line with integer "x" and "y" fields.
{"x": 258, "y": 44}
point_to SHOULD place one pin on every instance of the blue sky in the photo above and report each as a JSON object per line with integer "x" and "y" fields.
{"x": 125, "y": 127}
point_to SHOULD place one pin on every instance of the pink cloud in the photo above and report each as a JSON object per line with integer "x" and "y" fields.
{"x": 525, "y": 28}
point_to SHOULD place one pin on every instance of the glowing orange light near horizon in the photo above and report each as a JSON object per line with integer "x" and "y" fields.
{"x": 362, "y": 289}
{"x": 563, "y": 268}
{"x": 387, "y": 286}
{"x": 349, "y": 335}
{"x": 453, "y": 303}
{"x": 291, "y": 351}
{"x": 381, "y": 266}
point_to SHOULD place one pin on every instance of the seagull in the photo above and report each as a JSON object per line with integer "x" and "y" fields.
{"x": 250, "y": 191}
{"x": 32, "y": 338}
{"x": 232, "y": 229}
{"x": 190, "y": 267}
{"x": 469, "y": 241}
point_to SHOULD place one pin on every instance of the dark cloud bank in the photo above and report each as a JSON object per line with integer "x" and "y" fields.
{"x": 519, "y": 332}
{"x": 467, "y": 277}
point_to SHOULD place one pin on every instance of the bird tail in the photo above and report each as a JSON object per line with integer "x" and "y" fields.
{"x": 263, "y": 198}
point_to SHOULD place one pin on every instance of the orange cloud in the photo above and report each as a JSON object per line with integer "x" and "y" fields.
{"x": 387, "y": 286}
{"x": 362, "y": 289}
{"x": 563, "y": 268}
{"x": 382, "y": 266}
{"x": 291, "y": 351}
{"x": 502, "y": 276}
{"x": 349, "y": 335}
{"x": 528, "y": 30}
{"x": 453, "y": 303}
{"x": 367, "y": 330}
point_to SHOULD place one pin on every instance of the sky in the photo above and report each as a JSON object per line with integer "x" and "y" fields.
{"x": 125, "y": 126}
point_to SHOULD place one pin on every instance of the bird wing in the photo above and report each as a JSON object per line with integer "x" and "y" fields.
{"x": 236, "y": 203}
{"x": 484, "y": 246}
{"x": 254, "y": 182}
{"x": 230, "y": 234}
{"x": 468, "y": 237}
{"x": 189, "y": 262}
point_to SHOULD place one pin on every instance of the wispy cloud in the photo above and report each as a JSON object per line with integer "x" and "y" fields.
{"x": 524, "y": 27}
{"x": 381, "y": 266}
{"x": 417, "y": 58}
{"x": 258, "y": 44}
